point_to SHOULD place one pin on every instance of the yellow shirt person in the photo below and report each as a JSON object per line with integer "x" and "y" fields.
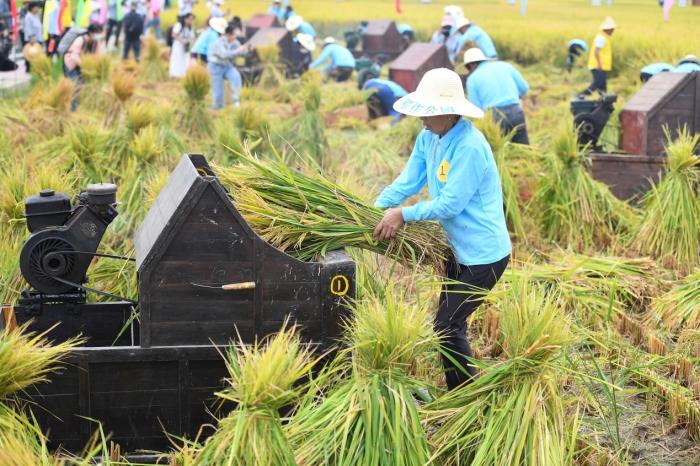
{"x": 600, "y": 59}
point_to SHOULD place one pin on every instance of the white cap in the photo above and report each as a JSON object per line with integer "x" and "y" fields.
{"x": 473, "y": 55}
{"x": 293, "y": 23}
{"x": 690, "y": 58}
{"x": 306, "y": 41}
{"x": 440, "y": 92}
{"x": 609, "y": 23}
{"x": 328, "y": 40}
{"x": 461, "y": 22}
{"x": 218, "y": 24}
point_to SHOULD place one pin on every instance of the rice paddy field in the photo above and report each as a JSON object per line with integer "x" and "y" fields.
{"x": 588, "y": 349}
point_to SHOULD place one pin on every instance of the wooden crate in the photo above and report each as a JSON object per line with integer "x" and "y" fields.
{"x": 272, "y": 37}
{"x": 628, "y": 176}
{"x": 666, "y": 100}
{"x": 260, "y": 21}
{"x": 382, "y": 37}
{"x": 408, "y": 69}
{"x": 193, "y": 235}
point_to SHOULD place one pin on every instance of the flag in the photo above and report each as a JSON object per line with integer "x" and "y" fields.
{"x": 667, "y": 9}
{"x": 65, "y": 17}
{"x": 50, "y": 19}
{"x": 82, "y": 16}
{"x": 398, "y": 6}
{"x": 103, "y": 12}
{"x": 15, "y": 20}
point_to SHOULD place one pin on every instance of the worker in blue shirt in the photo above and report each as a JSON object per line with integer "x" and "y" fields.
{"x": 278, "y": 10}
{"x": 687, "y": 64}
{"x": 575, "y": 48}
{"x": 497, "y": 86}
{"x": 454, "y": 159}
{"x": 381, "y": 101}
{"x": 297, "y": 25}
{"x": 206, "y": 40}
{"x": 342, "y": 62}
{"x": 467, "y": 33}
{"x": 407, "y": 34}
{"x": 648, "y": 71}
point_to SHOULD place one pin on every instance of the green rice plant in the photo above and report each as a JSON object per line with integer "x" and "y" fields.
{"x": 114, "y": 275}
{"x": 679, "y": 308}
{"x": 307, "y": 132}
{"x": 669, "y": 227}
{"x": 28, "y": 358}
{"x": 147, "y": 146}
{"x": 21, "y": 441}
{"x": 572, "y": 208}
{"x": 593, "y": 289}
{"x": 371, "y": 418}
{"x": 514, "y": 413}
{"x": 502, "y": 148}
{"x": 139, "y": 115}
{"x": 154, "y": 67}
{"x": 11, "y": 281}
{"x": 252, "y": 124}
{"x": 193, "y": 117}
{"x": 263, "y": 378}
{"x": 308, "y": 215}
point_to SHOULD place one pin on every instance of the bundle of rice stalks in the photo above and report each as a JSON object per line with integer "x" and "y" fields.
{"x": 308, "y": 215}
{"x": 139, "y": 115}
{"x": 371, "y": 418}
{"x": 193, "y": 117}
{"x": 28, "y": 358}
{"x": 679, "y": 308}
{"x": 95, "y": 67}
{"x": 264, "y": 378}
{"x": 21, "y": 441}
{"x": 48, "y": 107}
{"x": 593, "y": 289}
{"x": 307, "y": 132}
{"x": 147, "y": 146}
{"x": 154, "y": 67}
{"x": 41, "y": 68}
{"x": 669, "y": 229}
{"x": 123, "y": 85}
{"x": 503, "y": 148}
{"x": 573, "y": 209}
{"x": 116, "y": 276}
{"x": 513, "y": 414}
{"x": 252, "y": 124}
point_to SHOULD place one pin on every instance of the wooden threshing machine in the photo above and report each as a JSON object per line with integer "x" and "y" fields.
{"x": 204, "y": 277}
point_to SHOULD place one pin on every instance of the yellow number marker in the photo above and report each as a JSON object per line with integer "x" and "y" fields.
{"x": 443, "y": 170}
{"x": 340, "y": 285}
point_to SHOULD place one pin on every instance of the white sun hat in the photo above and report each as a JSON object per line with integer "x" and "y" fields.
{"x": 473, "y": 55}
{"x": 293, "y": 23}
{"x": 690, "y": 58}
{"x": 454, "y": 10}
{"x": 609, "y": 23}
{"x": 440, "y": 92}
{"x": 218, "y": 24}
{"x": 328, "y": 40}
{"x": 306, "y": 41}
{"x": 218, "y": 2}
{"x": 461, "y": 22}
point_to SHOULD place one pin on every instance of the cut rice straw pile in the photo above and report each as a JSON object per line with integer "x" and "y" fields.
{"x": 308, "y": 215}
{"x": 371, "y": 418}
{"x": 513, "y": 414}
{"x": 679, "y": 308}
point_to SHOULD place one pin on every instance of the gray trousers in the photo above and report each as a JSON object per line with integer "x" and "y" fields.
{"x": 512, "y": 117}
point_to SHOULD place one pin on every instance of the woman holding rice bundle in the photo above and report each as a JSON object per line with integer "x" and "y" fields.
{"x": 456, "y": 162}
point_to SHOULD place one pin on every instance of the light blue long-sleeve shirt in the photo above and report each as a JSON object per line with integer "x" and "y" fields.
{"x": 33, "y": 29}
{"x": 465, "y": 191}
{"x": 656, "y": 68}
{"x": 479, "y": 37}
{"x": 686, "y": 68}
{"x": 338, "y": 55}
{"x": 306, "y": 28}
{"x": 204, "y": 42}
{"x": 495, "y": 84}
{"x": 277, "y": 11}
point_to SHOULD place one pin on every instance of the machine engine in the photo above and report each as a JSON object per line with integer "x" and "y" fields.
{"x": 64, "y": 239}
{"x": 590, "y": 117}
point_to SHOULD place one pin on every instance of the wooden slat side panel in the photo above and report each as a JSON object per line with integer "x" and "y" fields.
{"x": 627, "y": 176}
{"x": 408, "y": 69}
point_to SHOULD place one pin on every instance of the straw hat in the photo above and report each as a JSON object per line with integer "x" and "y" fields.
{"x": 293, "y": 23}
{"x": 440, "y": 92}
{"x": 474, "y": 55}
{"x": 218, "y": 24}
{"x": 609, "y": 23}
{"x": 328, "y": 40}
{"x": 306, "y": 41}
{"x": 461, "y": 22}
{"x": 690, "y": 58}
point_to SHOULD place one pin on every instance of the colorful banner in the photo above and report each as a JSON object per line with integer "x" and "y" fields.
{"x": 15, "y": 20}
{"x": 50, "y": 19}
{"x": 65, "y": 16}
{"x": 398, "y": 6}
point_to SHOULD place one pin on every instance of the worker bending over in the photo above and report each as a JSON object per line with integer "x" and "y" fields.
{"x": 497, "y": 86}
{"x": 648, "y": 71}
{"x": 574, "y": 47}
{"x": 600, "y": 59}
{"x": 342, "y": 62}
{"x": 381, "y": 101}
{"x": 687, "y": 64}
{"x": 469, "y": 33}
{"x": 454, "y": 159}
